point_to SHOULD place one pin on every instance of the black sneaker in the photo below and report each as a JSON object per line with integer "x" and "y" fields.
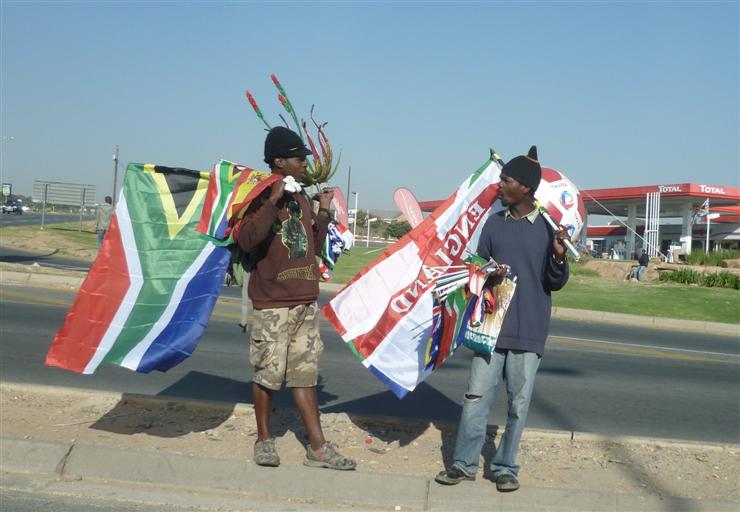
{"x": 506, "y": 482}
{"x": 452, "y": 476}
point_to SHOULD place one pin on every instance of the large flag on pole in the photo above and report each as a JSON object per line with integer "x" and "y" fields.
{"x": 703, "y": 211}
{"x": 387, "y": 312}
{"x": 155, "y": 281}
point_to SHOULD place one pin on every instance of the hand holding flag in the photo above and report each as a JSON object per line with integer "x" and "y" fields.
{"x": 560, "y": 235}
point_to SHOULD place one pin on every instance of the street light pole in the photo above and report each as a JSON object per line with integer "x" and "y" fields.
{"x": 349, "y": 181}
{"x": 115, "y": 174}
{"x": 354, "y": 220}
{"x": 4, "y": 175}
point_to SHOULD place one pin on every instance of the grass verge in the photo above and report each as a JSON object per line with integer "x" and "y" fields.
{"x": 66, "y": 237}
{"x": 587, "y": 290}
{"x": 668, "y": 300}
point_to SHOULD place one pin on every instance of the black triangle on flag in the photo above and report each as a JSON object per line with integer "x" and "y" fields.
{"x": 182, "y": 184}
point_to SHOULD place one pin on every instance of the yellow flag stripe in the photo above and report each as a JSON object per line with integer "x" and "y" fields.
{"x": 175, "y": 223}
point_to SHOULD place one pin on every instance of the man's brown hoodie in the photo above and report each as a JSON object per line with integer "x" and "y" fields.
{"x": 284, "y": 241}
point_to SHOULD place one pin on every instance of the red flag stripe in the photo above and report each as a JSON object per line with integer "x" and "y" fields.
{"x": 109, "y": 271}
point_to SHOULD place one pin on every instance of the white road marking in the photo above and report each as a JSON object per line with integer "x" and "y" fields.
{"x": 655, "y": 347}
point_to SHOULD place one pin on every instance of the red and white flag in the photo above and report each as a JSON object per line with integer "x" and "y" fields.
{"x": 385, "y": 313}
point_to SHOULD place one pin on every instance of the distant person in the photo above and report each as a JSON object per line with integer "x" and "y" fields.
{"x": 643, "y": 264}
{"x": 611, "y": 253}
{"x": 518, "y": 238}
{"x": 284, "y": 235}
{"x": 103, "y": 217}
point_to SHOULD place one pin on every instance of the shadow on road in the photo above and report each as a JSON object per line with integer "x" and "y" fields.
{"x": 25, "y": 258}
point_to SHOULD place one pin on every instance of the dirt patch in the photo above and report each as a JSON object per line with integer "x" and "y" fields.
{"x": 614, "y": 269}
{"x": 621, "y": 270}
{"x": 548, "y": 460}
{"x": 730, "y": 263}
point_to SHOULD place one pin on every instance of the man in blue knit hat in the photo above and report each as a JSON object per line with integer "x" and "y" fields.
{"x": 520, "y": 240}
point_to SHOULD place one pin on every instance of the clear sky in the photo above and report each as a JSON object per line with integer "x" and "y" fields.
{"x": 612, "y": 93}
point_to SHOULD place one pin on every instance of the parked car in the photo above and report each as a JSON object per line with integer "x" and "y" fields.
{"x": 13, "y": 207}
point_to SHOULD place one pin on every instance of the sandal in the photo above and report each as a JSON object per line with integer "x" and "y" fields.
{"x": 329, "y": 458}
{"x": 265, "y": 453}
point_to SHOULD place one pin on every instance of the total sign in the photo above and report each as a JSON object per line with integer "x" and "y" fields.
{"x": 664, "y": 189}
{"x": 708, "y": 189}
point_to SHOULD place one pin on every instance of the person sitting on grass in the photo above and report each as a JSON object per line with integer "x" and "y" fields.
{"x": 643, "y": 261}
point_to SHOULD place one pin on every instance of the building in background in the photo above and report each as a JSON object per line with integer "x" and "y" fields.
{"x": 666, "y": 216}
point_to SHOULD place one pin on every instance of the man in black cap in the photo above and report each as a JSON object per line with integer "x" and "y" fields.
{"x": 283, "y": 237}
{"x": 520, "y": 239}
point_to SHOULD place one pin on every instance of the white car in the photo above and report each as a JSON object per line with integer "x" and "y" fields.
{"x": 13, "y": 207}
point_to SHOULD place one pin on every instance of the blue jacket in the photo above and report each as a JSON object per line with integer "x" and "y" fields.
{"x": 526, "y": 247}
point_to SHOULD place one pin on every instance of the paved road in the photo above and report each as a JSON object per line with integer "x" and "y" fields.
{"x": 20, "y": 501}
{"x": 594, "y": 377}
{"x": 34, "y": 219}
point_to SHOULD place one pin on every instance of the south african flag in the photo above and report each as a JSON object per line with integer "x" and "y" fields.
{"x": 150, "y": 291}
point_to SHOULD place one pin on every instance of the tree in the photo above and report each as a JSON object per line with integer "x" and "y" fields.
{"x": 397, "y": 229}
{"x": 361, "y": 219}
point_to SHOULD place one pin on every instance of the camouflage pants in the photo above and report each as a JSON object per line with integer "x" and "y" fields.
{"x": 286, "y": 345}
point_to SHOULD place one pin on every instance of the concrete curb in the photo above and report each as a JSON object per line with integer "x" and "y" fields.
{"x": 654, "y": 322}
{"x": 671, "y": 324}
{"x": 42, "y": 279}
{"x": 292, "y": 484}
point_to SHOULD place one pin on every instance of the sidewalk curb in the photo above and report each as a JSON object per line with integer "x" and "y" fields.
{"x": 670, "y": 324}
{"x": 653, "y": 322}
{"x": 87, "y": 463}
{"x": 41, "y": 279}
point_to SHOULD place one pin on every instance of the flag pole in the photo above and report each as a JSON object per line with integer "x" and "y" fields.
{"x": 115, "y": 174}
{"x": 709, "y": 222}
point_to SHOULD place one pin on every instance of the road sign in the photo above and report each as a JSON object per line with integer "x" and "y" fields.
{"x": 69, "y": 194}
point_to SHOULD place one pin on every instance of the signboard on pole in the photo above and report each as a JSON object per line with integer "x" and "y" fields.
{"x": 7, "y": 189}
{"x": 68, "y": 194}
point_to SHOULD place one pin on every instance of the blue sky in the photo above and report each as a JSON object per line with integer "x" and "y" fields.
{"x": 613, "y": 94}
